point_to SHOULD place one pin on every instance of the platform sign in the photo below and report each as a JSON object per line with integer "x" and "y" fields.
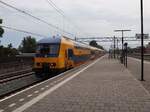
{"x": 145, "y": 36}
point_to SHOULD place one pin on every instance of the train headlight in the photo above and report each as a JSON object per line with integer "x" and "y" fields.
{"x": 52, "y": 64}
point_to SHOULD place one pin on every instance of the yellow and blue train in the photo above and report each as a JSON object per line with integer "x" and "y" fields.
{"x": 60, "y": 53}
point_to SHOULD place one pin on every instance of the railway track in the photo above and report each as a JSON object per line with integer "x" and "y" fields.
{"x": 13, "y": 68}
{"x": 19, "y": 82}
{"x": 3, "y": 80}
{"x": 14, "y": 74}
{"x": 15, "y": 83}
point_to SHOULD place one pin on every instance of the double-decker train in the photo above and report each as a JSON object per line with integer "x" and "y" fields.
{"x": 59, "y": 53}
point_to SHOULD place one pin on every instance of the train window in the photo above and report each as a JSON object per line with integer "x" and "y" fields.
{"x": 44, "y": 49}
{"x": 54, "y": 49}
{"x": 47, "y": 49}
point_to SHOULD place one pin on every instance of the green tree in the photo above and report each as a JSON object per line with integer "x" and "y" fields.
{"x": 11, "y": 51}
{"x": 1, "y": 29}
{"x": 1, "y": 51}
{"x": 8, "y": 51}
{"x": 28, "y": 45}
{"x": 10, "y": 46}
{"x": 94, "y": 44}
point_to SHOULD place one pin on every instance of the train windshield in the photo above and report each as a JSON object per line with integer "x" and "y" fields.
{"x": 47, "y": 50}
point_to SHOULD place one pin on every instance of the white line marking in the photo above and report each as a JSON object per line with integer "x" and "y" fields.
{"x": 1, "y": 110}
{"x": 36, "y": 91}
{"x": 29, "y": 95}
{"x": 11, "y": 105}
{"x": 22, "y": 99}
{"x": 42, "y": 88}
{"x": 41, "y": 96}
{"x": 38, "y": 84}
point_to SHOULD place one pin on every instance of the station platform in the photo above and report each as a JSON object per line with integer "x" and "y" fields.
{"x": 103, "y": 86}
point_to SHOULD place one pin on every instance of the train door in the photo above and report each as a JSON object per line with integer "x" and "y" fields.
{"x": 70, "y": 62}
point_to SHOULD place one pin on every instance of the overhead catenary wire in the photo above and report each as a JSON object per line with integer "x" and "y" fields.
{"x": 57, "y": 10}
{"x": 34, "y": 17}
{"x": 55, "y": 7}
{"x": 61, "y": 12}
{"x": 22, "y": 31}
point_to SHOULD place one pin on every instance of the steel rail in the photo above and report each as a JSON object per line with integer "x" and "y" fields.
{"x": 15, "y": 77}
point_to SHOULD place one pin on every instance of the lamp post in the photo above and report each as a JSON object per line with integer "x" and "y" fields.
{"x": 122, "y": 54}
{"x": 142, "y": 44}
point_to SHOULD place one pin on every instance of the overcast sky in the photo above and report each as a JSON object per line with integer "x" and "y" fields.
{"x": 84, "y": 18}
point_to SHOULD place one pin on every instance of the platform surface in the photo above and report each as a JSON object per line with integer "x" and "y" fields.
{"x": 106, "y": 86}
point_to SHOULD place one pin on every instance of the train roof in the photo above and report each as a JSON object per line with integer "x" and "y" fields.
{"x": 58, "y": 38}
{"x": 53, "y": 39}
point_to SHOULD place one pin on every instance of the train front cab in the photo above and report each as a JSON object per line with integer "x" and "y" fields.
{"x": 52, "y": 58}
{"x": 46, "y": 61}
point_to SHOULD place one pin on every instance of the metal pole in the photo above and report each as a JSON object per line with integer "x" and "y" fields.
{"x": 123, "y": 53}
{"x": 142, "y": 44}
{"x": 117, "y": 49}
{"x": 114, "y": 47}
{"x": 126, "y": 56}
{"x": 122, "y": 41}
